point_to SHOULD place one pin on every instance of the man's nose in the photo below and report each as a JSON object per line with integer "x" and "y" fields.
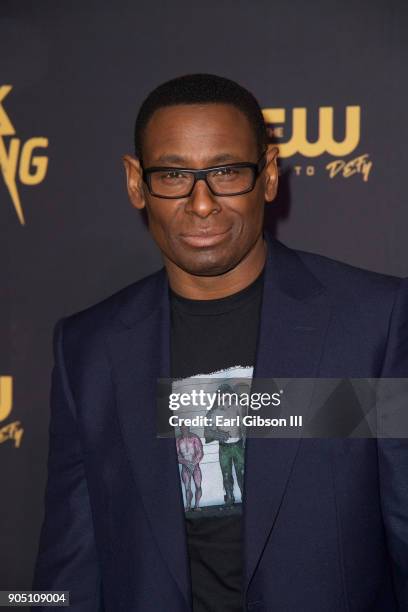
{"x": 202, "y": 202}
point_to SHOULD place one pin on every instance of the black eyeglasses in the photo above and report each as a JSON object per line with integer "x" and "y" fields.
{"x": 227, "y": 180}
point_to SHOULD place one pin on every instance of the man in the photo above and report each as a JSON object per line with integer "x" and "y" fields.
{"x": 189, "y": 455}
{"x": 324, "y": 523}
{"x": 229, "y": 435}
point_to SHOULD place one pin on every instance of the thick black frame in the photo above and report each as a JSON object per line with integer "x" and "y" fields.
{"x": 202, "y": 175}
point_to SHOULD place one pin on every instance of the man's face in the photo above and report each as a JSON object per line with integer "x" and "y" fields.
{"x": 204, "y": 234}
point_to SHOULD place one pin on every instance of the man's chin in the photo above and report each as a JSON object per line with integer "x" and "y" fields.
{"x": 209, "y": 267}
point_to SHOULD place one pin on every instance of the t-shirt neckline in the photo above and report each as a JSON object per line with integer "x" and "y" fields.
{"x": 219, "y": 305}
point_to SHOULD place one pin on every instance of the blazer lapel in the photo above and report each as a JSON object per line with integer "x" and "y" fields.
{"x": 294, "y": 319}
{"x": 140, "y": 354}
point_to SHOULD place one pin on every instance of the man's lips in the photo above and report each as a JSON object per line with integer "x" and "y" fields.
{"x": 203, "y": 238}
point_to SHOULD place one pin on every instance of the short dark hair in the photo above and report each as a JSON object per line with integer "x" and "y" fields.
{"x": 201, "y": 89}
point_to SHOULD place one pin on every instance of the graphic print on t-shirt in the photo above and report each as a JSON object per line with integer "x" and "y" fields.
{"x": 211, "y": 456}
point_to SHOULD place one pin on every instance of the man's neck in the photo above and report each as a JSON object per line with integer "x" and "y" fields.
{"x": 215, "y": 287}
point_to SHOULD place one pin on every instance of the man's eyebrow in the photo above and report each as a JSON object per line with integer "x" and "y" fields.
{"x": 220, "y": 158}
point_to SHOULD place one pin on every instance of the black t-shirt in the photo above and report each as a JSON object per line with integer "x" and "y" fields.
{"x": 216, "y": 340}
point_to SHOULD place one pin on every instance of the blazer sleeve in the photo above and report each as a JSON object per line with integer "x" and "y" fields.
{"x": 67, "y": 558}
{"x": 393, "y": 454}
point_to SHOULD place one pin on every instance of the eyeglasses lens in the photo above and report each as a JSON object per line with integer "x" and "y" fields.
{"x": 226, "y": 181}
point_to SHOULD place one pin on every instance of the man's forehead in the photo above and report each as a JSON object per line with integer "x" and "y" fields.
{"x": 200, "y": 158}
{"x": 212, "y": 133}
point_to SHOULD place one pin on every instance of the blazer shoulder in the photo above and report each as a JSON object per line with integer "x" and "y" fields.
{"x": 362, "y": 299}
{"x": 139, "y": 296}
{"x": 365, "y": 303}
{"x": 338, "y": 276}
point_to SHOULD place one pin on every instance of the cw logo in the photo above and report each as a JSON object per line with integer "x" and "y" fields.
{"x": 18, "y": 158}
{"x": 12, "y": 431}
{"x": 325, "y": 142}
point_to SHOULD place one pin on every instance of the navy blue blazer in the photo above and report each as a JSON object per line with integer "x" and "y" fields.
{"x": 325, "y": 521}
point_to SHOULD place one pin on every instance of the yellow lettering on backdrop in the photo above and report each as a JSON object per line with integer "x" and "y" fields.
{"x": 6, "y": 127}
{"x": 31, "y": 168}
{"x": 8, "y": 164}
{"x": 325, "y": 142}
{"x": 6, "y": 396}
{"x": 39, "y": 163}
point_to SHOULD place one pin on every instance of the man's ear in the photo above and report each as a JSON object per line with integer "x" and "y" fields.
{"x": 271, "y": 173}
{"x": 134, "y": 181}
